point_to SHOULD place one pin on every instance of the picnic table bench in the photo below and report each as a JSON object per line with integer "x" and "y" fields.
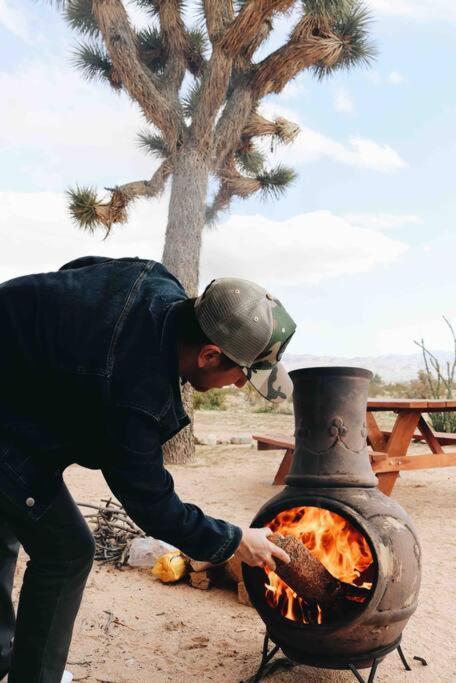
{"x": 390, "y": 448}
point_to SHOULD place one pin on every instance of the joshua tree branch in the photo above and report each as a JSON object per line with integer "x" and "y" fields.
{"x": 177, "y": 45}
{"x": 243, "y": 31}
{"x": 121, "y": 44}
{"x": 238, "y": 109}
{"x": 148, "y": 188}
{"x": 281, "y": 66}
{"x": 218, "y": 13}
{"x": 211, "y": 97}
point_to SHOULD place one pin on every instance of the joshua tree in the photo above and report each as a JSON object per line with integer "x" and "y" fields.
{"x": 206, "y": 126}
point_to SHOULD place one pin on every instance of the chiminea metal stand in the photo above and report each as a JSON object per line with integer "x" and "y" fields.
{"x": 268, "y": 664}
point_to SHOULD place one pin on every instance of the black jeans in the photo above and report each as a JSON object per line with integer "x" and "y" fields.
{"x": 34, "y": 646}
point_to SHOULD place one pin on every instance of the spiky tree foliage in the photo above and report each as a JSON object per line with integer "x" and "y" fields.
{"x": 210, "y": 128}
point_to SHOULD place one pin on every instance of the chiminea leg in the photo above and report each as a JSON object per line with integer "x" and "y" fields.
{"x": 372, "y": 672}
{"x": 267, "y": 656}
{"x": 404, "y": 661}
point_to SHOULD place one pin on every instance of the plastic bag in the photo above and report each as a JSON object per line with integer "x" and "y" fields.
{"x": 144, "y": 552}
{"x": 170, "y": 567}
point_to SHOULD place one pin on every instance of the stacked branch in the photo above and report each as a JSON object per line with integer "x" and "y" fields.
{"x": 113, "y": 532}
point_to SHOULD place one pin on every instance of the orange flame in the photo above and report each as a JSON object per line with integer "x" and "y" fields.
{"x": 340, "y": 548}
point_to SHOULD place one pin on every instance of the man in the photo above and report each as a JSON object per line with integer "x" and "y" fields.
{"x": 91, "y": 361}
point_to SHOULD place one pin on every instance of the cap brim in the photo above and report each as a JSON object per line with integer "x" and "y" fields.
{"x": 274, "y": 384}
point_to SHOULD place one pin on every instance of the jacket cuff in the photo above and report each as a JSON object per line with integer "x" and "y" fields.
{"x": 233, "y": 538}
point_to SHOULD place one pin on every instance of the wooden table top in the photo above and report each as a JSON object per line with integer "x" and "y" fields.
{"x": 423, "y": 405}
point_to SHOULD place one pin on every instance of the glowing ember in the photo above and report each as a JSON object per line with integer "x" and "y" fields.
{"x": 341, "y": 549}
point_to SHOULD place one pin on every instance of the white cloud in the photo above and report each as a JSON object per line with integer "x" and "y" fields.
{"x": 311, "y": 145}
{"x": 293, "y": 89}
{"x": 13, "y": 19}
{"x": 382, "y": 221}
{"x": 421, "y": 10}
{"x": 343, "y": 101}
{"x": 73, "y": 129}
{"x": 307, "y": 248}
{"x": 396, "y": 78}
{"x": 37, "y": 235}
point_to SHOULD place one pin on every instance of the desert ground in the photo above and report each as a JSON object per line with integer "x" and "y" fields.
{"x": 178, "y": 633}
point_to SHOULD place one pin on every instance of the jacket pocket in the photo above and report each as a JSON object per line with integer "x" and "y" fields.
{"x": 30, "y": 486}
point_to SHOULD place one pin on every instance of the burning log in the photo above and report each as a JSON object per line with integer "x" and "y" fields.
{"x": 308, "y": 577}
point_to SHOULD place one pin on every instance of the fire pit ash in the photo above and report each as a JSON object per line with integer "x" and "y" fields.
{"x": 357, "y": 582}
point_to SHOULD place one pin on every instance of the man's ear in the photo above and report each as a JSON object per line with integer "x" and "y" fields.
{"x": 209, "y": 356}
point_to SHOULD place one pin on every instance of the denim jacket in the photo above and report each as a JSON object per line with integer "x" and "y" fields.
{"x": 89, "y": 375}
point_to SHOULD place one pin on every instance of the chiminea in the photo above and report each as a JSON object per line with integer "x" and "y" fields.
{"x": 362, "y": 537}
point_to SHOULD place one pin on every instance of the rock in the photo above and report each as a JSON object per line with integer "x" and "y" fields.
{"x": 206, "y": 440}
{"x": 241, "y": 439}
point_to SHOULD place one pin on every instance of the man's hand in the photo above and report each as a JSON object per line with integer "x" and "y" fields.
{"x": 256, "y": 551}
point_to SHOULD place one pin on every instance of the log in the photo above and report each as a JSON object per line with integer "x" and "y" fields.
{"x": 233, "y": 569}
{"x": 243, "y": 596}
{"x": 202, "y": 565}
{"x": 308, "y": 577}
{"x": 201, "y": 580}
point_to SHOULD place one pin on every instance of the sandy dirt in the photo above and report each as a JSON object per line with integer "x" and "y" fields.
{"x": 178, "y": 633}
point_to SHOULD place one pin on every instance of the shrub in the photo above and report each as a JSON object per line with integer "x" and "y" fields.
{"x": 214, "y": 399}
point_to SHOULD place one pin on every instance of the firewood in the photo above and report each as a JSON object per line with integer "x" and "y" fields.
{"x": 201, "y": 580}
{"x": 200, "y": 565}
{"x": 307, "y": 576}
{"x": 233, "y": 569}
{"x": 243, "y": 596}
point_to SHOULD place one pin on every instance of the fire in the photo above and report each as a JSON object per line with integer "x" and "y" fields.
{"x": 341, "y": 549}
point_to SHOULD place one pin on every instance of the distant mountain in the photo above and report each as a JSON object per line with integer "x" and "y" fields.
{"x": 391, "y": 368}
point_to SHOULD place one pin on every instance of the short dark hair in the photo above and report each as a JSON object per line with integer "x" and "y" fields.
{"x": 190, "y": 332}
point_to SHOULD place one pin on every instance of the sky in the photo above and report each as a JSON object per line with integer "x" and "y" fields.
{"x": 361, "y": 249}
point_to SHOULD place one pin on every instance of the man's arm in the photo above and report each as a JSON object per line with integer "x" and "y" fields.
{"x": 145, "y": 488}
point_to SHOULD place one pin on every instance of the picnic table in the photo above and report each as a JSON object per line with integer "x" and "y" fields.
{"x": 390, "y": 454}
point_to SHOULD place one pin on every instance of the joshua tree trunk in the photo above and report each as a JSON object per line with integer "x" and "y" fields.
{"x": 186, "y": 218}
{"x": 181, "y": 254}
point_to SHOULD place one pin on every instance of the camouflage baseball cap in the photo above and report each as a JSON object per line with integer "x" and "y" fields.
{"x": 252, "y": 328}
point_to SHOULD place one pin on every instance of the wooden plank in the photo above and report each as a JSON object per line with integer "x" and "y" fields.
{"x": 284, "y": 468}
{"x": 435, "y": 404}
{"x": 374, "y": 435}
{"x": 273, "y": 441}
{"x": 425, "y": 405}
{"x": 386, "y": 481}
{"x": 396, "y": 404}
{"x": 376, "y": 457}
{"x": 415, "y": 462}
{"x": 444, "y": 438}
{"x": 402, "y": 433}
{"x": 429, "y": 436}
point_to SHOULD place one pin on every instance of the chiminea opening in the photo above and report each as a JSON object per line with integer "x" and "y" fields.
{"x": 342, "y": 549}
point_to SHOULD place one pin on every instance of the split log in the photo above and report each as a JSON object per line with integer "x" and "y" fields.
{"x": 243, "y": 596}
{"x": 308, "y": 577}
{"x": 233, "y": 569}
{"x": 202, "y": 565}
{"x": 201, "y": 580}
